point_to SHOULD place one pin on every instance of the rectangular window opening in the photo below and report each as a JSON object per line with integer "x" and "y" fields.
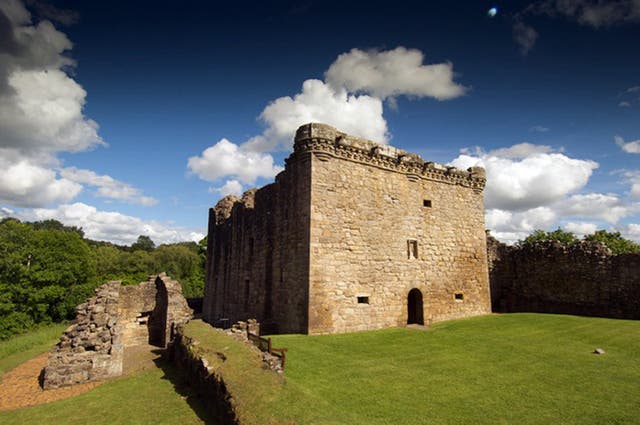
{"x": 363, "y": 300}
{"x": 459, "y": 296}
{"x": 426, "y": 203}
{"x": 412, "y": 249}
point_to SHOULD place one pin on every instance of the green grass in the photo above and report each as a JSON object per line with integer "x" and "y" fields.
{"x": 147, "y": 398}
{"x": 23, "y": 347}
{"x": 499, "y": 369}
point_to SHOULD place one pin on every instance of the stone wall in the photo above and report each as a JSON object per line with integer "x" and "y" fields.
{"x": 91, "y": 349}
{"x": 203, "y": 379}
{"x": 116, "y": 317}
{"x": 347, "y": 230}
{"x": 550, "y": 277}
{"x": 384, "y": 222}
{"x": 258, "y": 254}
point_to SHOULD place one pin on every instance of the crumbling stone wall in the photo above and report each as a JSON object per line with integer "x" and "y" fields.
{"x": 115, "y": 318}
{"x": 550, "y": 277}
{"x": 344, "y": 234}
{"x": 91, "y": 349}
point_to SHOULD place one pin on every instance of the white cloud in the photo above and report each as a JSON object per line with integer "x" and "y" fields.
{"x": 607, "y": 207}
{"x": 581, "y": 229}
{"x": 228, "y": 159}
{"x": 525, "y": 36}
{"x": 231, "y": 187}
{"x": 319, "y": 102}
{"x": 108, "y": 187}
{"x": 510, "y": 226}
{"x": 392, "y": 73}
{"x": 112, "y": 226}
{"x": 631, "y": 231}
{"x": 25, "y": 184}
{"x": 526, "y": 176}
{"x": 633, "y": 178}
{"x": 629, "y": 147}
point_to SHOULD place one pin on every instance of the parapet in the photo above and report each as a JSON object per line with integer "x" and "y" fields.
{"x": 326, "y": 142}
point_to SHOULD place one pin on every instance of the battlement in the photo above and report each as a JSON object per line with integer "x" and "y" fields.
{"x": 326, "y": 142}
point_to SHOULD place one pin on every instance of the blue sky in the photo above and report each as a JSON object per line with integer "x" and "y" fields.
{"x": 131, "y": 119}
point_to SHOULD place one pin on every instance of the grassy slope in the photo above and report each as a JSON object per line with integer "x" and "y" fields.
{"x": 21, "y": 348}
{"x": 520, "y": 368}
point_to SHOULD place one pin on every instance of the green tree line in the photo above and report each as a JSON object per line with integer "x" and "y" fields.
{"x": 46, "y": 269}
{"x": 613, "y": 240}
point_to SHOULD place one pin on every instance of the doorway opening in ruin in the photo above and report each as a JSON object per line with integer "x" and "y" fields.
{"x": 158, "y": 320}
{"x": 414, "y": 307}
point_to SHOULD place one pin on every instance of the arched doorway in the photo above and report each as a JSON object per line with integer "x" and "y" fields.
{"x": 414, "y": 307}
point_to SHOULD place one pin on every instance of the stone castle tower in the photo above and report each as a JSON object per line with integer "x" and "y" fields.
{"x": 351, "y": 236}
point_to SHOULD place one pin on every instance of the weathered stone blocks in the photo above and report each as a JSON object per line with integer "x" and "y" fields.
{"x": 92, "y": 348}
{"x": 343, "y": 235}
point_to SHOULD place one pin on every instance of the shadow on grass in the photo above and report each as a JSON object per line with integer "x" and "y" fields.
{"x": 182, "y": 387}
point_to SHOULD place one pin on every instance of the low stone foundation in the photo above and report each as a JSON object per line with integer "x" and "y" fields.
{"x": 116, "y": 317}
{"x": 202, "y": 378}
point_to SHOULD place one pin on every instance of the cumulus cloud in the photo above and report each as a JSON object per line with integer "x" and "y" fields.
{"x": 631, "y": 231}
{"x": 525, "y": 36}
{"x": 26, "y": 184}
{"x": 581, "y": 228}
{"x": 606, "y": 207}
{"x": 526, "y": 176}
{"x": 633, "y": 179}
{"x": 629, "y": 147}
{"x": 112, "y": 226}
{"x": 533, "y": 187}
{"x": 319, "y": 102}
{"x": 228, "y": 159}
{"x": 231, "y": 187}
{"x": 511, "y": 226}
{"x": 108, "y": 187}
{"x": 392, "y": 73}
{"x": 349, "y": 100}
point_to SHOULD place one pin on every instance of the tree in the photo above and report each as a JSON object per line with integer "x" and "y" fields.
{"x": 144, "y": 243}
{"x": 614, "y": 241}
{"x": 557, "y": 235}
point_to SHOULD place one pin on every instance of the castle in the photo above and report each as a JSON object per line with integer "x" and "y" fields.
{"x": 351, "y": 236}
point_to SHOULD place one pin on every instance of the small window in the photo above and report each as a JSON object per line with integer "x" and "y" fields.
{"x": 412, "y": 249}
{"x": 363, "y": 300}
{"x": 426, "y": 203}
{"x": 459, "y": 296}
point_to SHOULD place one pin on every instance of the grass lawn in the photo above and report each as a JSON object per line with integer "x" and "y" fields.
{"x": 509, "y": 369}
{"x": 23, "y": 347}
{"x": 499, "y": 369}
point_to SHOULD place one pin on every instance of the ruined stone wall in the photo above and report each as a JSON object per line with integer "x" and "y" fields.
{"x": 550, "y": 277}
{"x": 117, "y": 317}
{"x": 383, "y": 222}
{"x": 91, "y": 349}
{"x": 258, "y": 254}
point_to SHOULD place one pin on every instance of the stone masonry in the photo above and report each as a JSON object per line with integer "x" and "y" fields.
{"x": 117, "y": 317}
{"x": 351, "y": 236}
{"x": 551, "y": 277}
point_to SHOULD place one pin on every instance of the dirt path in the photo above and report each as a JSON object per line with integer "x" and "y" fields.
{"x": 20, "y": 387}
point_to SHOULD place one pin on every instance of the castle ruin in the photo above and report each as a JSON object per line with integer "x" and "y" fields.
{"x": 351, "y": 236}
